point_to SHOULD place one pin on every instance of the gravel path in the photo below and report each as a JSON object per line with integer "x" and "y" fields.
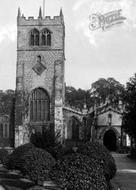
{"x": 125, "y": 178}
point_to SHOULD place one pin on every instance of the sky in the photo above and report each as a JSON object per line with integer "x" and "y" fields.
{"x": 90, "y": 55}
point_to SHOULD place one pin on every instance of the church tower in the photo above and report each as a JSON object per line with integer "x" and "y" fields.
{"x": 39, "y": 75}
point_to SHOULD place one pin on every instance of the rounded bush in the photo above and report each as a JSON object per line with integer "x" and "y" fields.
{"x": 101, "y": 154}
{"x": 14, "y": 158}
{"x": 79, "y": 172}
{"x": 4, "y": 156}
{"x": 36, "y": 165}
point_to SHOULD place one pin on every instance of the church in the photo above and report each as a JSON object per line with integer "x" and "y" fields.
{"x": 40, "y": 79}
{"x": 40, "y": 87}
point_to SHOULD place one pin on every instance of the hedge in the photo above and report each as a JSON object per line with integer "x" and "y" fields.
{"x": 79, "y": 172}
{"x": 98, "y": 152}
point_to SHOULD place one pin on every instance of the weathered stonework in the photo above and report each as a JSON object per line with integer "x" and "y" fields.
{"x": 51, "y": 77}
{"x": 69, "y": 114}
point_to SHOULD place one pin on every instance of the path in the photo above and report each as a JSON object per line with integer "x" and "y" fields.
{"x": 126, "y": 172}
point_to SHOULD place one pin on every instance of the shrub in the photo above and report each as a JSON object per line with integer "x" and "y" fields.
{"x": 34, "y": 163}
{"x": 14, "y": 158}
{"x": 133, "y": 153}
{"x": 47, "y": 141}
{"x": 60, "y": 151}
{"x": 79, "y": 172}
{"x": 100, "y": 153}
{"x": 4, "y": 156}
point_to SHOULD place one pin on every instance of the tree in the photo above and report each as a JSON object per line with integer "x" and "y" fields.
{"x": 6, "y": 102}
{"x": 129, "y": 117}
{"x": 77, "y": 98}
{"x": 106, "y": 88}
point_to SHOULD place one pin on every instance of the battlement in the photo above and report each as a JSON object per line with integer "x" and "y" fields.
{"x": 40, "y": 20}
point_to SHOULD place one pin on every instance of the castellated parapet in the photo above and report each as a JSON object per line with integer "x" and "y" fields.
{"x": 56, "y": 20}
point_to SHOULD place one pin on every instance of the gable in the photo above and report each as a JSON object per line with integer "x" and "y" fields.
{"x": 103, "y": 118}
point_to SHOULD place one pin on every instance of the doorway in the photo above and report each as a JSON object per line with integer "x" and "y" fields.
{"x": 110, "y": 140}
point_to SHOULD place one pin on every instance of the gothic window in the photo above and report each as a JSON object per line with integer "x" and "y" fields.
{"x": 34, "y": 37}
{"x": 1, "y": 130}
{"x": 4, "y": 130}
{"x": 109, "y": 118}
{"x": 46, "y": 38}
{"x": 39, "y": 106}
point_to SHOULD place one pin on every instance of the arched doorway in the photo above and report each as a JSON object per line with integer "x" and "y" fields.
{"x": 75, "y": 129}
{"x": 110, "y": 140}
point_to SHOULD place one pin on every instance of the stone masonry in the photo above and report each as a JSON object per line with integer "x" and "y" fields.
{"x": 52, "y": 77}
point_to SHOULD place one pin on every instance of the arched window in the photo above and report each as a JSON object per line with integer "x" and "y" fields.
{"x": 6, "y": 130}
{"x": 39, "y": 59}
{"x": 46, "y": 38}
{"x": 34, "y": 37}
{"x": 1, "y": 130}
{"x": 109, "y": 118}
{"x": 39, "y": 106}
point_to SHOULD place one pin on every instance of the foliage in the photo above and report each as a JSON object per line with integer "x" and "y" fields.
{"x": 47, "y": 141}
{"x": 88, "y": 123}
{"x": 6, "y": 99}
{"x": 77, "y": 98}
{"x": 4, "y": 156}
{"x": 101, "y": 154}
{"x": 63, "y": 151}
{"x": 99, "y": 92}
{"x": 129, "y": 117}
{"x": 79, "y": 172}
{"x": 34, "y": 163}
{"x": 133, "y": 153}
{"x": 14, "y": 158}
{"x": 107, "y": 88}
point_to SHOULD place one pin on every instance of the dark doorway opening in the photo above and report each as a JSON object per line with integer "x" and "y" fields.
{"x": 75, "y": 129}
{"x": 110, "y": 140}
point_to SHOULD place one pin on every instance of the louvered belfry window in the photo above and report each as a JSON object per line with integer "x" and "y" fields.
{"x": 46, "y": 37}
{"x": 39, "y": 106}
{"x": 34, "y": 39}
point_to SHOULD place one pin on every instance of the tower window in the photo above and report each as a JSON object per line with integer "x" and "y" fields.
{"x": 46, "y": 38}
{"x": 109, "y": 118}
{"x": 1, "y": 130}
{"x": 39, "y": 106}
{"x": 39, "y": 59}
{"x": 4, "y": 130}
{"x": 34, "y": 38}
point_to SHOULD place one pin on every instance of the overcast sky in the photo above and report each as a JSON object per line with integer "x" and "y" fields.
{"x": 90, "y": 55}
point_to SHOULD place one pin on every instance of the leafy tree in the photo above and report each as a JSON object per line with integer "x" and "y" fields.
{"x": 6, "y": 102}
{"x": 99, "y": 92}
{"x": 106, "y": 88}
{"x": 129, "y": 118}
{"x": 77, "y": 98}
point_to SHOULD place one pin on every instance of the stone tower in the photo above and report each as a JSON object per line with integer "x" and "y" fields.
{"x": 39, "y": 75}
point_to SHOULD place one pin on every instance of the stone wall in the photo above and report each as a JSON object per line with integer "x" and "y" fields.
{"x": 102, "y": 119}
